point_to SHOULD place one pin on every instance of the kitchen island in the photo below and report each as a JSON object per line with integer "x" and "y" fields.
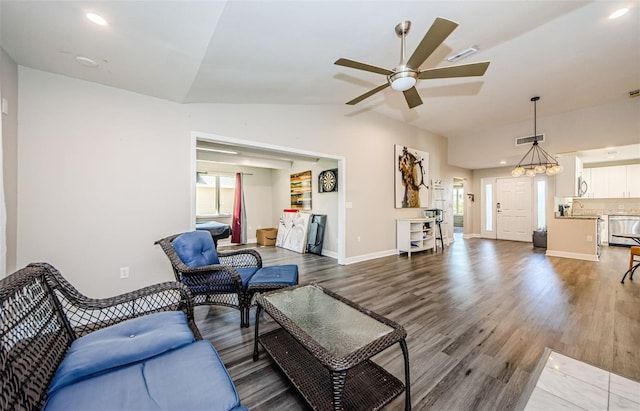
{"x": 574, "y": 237}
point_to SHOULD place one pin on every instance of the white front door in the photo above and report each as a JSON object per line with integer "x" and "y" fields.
{"x": 513, "y": 209}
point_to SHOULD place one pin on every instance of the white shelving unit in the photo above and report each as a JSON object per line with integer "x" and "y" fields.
{"x": 415, "y": 234}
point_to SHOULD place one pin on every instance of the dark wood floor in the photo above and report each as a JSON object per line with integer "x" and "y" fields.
{"x": 478, "y": 318}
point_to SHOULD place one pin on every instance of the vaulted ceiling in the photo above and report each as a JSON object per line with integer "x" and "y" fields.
{"x": 282, "y": 52}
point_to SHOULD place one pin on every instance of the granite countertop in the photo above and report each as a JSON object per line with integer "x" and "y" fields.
{"x": 579, "y": 217}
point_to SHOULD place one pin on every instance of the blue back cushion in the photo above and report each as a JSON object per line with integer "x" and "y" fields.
{"x": 123, "y": 343}
{"x": 196, "y": 249}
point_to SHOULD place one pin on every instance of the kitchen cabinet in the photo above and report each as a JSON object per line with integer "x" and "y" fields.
{"x": 613, "y": 182}
{"x": 567, "y": 181}
{"x": 416, "y": 234}
{"x": 633, "y": 180}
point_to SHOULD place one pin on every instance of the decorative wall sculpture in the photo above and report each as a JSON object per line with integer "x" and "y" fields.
{"x": 411, "y": 176}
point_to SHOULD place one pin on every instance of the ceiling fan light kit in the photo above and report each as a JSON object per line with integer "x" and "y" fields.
{"x": 406, "y": 75}
{"x": 536, "y": 160}
{"x": 403, "y": 80}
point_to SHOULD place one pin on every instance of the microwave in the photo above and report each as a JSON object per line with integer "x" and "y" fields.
{"x": 436, "y": 213}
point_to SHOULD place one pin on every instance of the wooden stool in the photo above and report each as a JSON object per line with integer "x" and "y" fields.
{"x": 634, "y": 253}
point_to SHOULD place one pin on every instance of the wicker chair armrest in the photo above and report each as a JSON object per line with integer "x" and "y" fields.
{"x": 241, "y": 258}
{"x": 201, "y": 274}
{"x": 86, "y": 314}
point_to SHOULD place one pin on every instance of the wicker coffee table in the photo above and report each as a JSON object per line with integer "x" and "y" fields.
{"x": 324, "y": 347}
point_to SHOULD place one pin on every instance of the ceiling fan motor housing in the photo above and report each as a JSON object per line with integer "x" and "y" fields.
{"x": 403, "y": 78}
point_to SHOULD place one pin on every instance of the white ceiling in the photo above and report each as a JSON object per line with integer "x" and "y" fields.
{"x": 282, "y": 52}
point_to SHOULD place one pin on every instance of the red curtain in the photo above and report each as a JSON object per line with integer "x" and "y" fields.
{"x": 238, "y": 223}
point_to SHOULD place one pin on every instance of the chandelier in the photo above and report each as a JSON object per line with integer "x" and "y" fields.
{"x": 536, "y": 161}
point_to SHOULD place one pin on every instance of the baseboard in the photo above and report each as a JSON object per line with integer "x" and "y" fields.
{"x": 367, "y": 257}
{"x": 466, "y": 236}
{"x": 330, "y": 254}
{"x": 575, "y": 256}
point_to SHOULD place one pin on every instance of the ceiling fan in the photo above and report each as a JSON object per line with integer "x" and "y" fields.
{"x": 405, "y": 76}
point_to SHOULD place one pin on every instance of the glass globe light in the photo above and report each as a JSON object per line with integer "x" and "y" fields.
{"x": 540, "y": 169}
{"x": 530, "y": 172}
{"x": 517, "y": 172}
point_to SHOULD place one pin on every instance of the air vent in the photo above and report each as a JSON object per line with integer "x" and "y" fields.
{"x": 521, "y": 141}
{"x": 634, "y": 93}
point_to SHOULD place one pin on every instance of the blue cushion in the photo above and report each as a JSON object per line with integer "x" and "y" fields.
{"x": 278, "y": 274}
{"x": 196, "y": 285}
{"x": 196, "y": 249}
{"x": 123, "y": 343}
{"x": 189, "y": 378}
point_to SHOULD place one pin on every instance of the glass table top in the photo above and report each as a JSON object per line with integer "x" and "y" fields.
{"x": 336, "y": 326}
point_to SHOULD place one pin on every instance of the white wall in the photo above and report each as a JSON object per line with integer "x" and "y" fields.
{"x": 9, "y": 92}
{"x": 321, "y": 203}
{"x": 104, "y": 173}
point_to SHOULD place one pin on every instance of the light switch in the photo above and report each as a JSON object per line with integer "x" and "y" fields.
{"x": 5, "y": 106}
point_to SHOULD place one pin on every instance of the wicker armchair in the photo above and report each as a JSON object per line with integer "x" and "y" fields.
{"x": 41, "y": 314}
{"x": 222, "y": 284}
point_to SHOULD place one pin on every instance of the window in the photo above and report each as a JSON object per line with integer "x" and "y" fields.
{"x": 214, "y": 195}
{"x": 540, "y": 204}
{"x": 488, "y": 207}
{"x": 458, "y": 200}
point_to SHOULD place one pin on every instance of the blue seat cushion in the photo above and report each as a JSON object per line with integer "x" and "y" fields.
{"x": 196, "y": 249}
{"x": 278, "y": 274}
{"x": 211, "y": 283}
{"x": 123, "y": 343}
{"x": 188, "y": 378}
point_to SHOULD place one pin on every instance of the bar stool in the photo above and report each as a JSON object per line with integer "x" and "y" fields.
{"x": 634, "y": 253}
{"x": 634, "y": 258}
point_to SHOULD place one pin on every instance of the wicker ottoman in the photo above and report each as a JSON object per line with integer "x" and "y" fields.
{"x": 270, "y": 278}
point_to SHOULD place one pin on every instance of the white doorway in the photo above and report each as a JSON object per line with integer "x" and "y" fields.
{"x": 513, "y": 209}
{"x": 458, "y": 205}
{"x": 506, "y": 208}
{"x": 234, "y": 142}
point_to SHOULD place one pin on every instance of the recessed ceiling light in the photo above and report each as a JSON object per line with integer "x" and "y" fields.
{"x": 618, "y": 13}
{"x": 97, "y": 19}
{"x": 503, "y": 162}
{"x": 86, "y": 61}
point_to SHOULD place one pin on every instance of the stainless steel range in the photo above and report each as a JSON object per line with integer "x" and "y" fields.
{"x": 623, "y": 224}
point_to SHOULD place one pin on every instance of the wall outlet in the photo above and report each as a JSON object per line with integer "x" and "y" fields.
{"x": 124, "y": 272}
{"x": 589, "y": 238}
{"x": 620, "y": 206}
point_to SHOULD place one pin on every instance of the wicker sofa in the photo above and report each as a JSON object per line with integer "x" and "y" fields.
{"x": 60, "y": 350}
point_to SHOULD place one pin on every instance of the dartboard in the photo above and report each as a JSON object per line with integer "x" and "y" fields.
{"x": 328, "y": 181}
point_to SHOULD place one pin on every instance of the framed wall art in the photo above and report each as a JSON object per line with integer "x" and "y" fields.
{"x": 301, "y": 190}
{"x": 411, "y": 176}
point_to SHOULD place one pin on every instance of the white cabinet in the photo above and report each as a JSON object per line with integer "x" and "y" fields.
{"x": 598, "y": 187}
{"x": 567, "y": 181}
{"x": 633, "y": 180}
{"x": 613, "y": 182}
{"x": 617, "y": 187}
{"x": 416, "y": 234}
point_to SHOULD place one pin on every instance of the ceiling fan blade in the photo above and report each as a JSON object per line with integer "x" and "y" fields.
{"x": 412, "y": 97}
{"x": 362, "y": 66}
{"x": 462, "y": 70}
{"x": 367, "y": 94}
{"x": 439, "y": 31}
